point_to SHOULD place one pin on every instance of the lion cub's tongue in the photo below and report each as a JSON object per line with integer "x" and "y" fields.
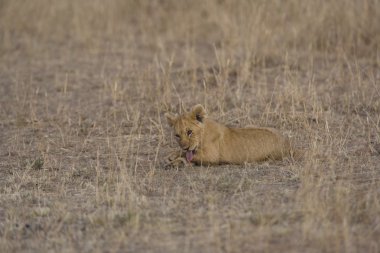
{"x": 189, "y": 156}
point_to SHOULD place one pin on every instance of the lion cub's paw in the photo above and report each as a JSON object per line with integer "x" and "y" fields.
{"x": 175, "y": 159}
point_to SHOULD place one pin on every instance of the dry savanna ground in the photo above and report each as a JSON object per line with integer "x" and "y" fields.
{"x": 83, "y": 89}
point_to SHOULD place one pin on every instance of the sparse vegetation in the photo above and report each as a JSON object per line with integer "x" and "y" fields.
{"x": 83, "y": 89}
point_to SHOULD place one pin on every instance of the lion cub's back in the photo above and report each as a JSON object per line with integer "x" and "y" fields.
{"x": 253, "y": 144}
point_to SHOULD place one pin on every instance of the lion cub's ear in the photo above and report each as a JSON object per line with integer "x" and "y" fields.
{"x": 198, "y": 113}
{"x": 171, "y": 118}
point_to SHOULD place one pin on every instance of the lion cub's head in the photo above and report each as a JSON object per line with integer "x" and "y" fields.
{"x": 188, "y": 129}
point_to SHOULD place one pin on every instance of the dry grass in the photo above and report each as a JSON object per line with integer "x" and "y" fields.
{"x": 84, "y": 85}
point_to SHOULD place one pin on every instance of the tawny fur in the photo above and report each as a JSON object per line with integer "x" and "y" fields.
{"x": 214, "y": 143}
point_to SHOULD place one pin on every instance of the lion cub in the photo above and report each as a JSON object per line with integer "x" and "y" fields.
{"x": 204, "y": 141}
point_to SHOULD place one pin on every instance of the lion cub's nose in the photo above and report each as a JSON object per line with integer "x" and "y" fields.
{"x": 182, "y": 143}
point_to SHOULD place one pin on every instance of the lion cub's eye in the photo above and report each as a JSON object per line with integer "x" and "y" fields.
{"x": 177, "y": 135}
{"x": 189, "y": 133}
